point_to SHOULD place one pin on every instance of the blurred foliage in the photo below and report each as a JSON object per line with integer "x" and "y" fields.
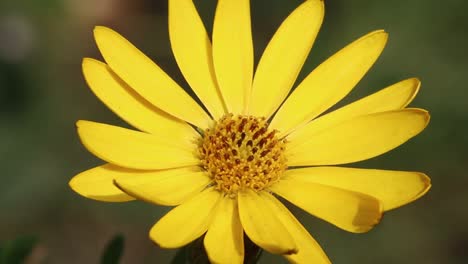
{"x": 42, "y": 94}
{"x": 194, "y": 253}
{"x": 114, "y": 250}
{"x": 17, "y": 250}
{"x": 180, "y": 257}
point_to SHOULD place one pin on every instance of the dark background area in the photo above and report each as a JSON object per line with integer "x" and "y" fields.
{"x": 43, "y": 93}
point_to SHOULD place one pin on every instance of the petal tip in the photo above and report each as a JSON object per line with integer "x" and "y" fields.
{"x": 319, "y": 2}
{"x": 88, "y": 65}
{"x": 427, "y": 117}
{"x": 86, "y": 61}
{"x": 384, "y": 36}
{"x": 153, "y": 238}
{"x": 416, "y": 80}
{"x": 104, "y": 34}
{"x": 413, "y": 84}
{"x": 81, "y": 123}
{"x": 80, "y": 187}
{"x": 426, "y": 181}
{"x": 417, "y": 84}
{"x": 381, "y": 31}
{"x": 379, "y": 34}
{"x": 371, "y": 217}
{"x": 423, "y": 114}
{"x": 72, "y": 184}
{"x": 90, "y": 61}
{"x": 99, "y": 29}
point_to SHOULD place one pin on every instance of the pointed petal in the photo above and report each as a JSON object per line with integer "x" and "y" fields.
{"x": 284, "y": 56}
{"x": 359, "y": 139}
{"x": 329, "y": 82}
{"x": 133, "y": 149}
{"x": 131, "y": 107}
{"x": 164, "y": 187}
{"x": 394, "y": 97}
{"x": 192, "y": 50}
{"x": 262, "y": 224}
{"x": 233, "y": 53}
{"x": 147, "y": 79}
{"x": 224, "y": 241}
{"x": 186, "y": 222}
{"x": 392, "y": 188}
{"x": 309, "y": 251}
{"x": 351, "y": 211}
{"x": 97, "y": 183}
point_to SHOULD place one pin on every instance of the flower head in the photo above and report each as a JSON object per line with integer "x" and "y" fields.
{"x": 254, "y": 142}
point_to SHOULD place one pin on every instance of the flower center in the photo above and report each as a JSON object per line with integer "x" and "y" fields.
{"x": 242, "y": 152}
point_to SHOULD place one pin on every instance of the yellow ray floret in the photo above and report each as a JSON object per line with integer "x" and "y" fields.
{"x": 226, "y": 164}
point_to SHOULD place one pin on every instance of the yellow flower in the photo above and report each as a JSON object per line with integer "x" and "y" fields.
{"x": 224, "y": 167}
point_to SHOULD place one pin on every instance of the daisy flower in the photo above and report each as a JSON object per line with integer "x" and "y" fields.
{"x": 225, "y": 163}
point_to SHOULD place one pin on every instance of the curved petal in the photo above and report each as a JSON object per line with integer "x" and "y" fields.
{"x": 233, "y": 53}
{"x": 163, "y": 187}
{"x": 262, "y": 224}
{"x": 392, "y": 188}
{"x": 284, "y": 56}
{"x": 131, "y": 107}
{"x": 309, "y": 251}
{"x": 329, "y": 82}
{"x": 192, "y": 50}
{"x": 394, "y": 97}
{"x": 359, "y": 139}
{"x": 147, "y": 79}
{"x": 224, "y": 241}
{"x": 97, "y": 183}
{"x": 351, "y": 211}
{"x": 133, "y": 149}
{"x": 186, "y": 222}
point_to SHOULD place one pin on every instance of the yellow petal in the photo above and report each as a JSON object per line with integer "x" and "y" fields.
{"x": 394, "y": 97}
{"x": 131, "y": 107}
{"x": 147, "y": 79}
{"x": 192, "y": 50}
{"x": 392, "y": 188}
{"x": 186, "y": 222}
{"x": 262, "y": 225}
{"x": 233, "y": 53}
{"x": 351, "y": 211}
{"x": 309, "y": 251}
{"x": 164, "y": 187}
{"x": 329, "y": 82}
{"x": 224, "y": 241}
{"x": 284, "y": 56}
{"x": 359, "y": 139}
{"x": 134, "y": 149}
{"x": 97, "y": 183}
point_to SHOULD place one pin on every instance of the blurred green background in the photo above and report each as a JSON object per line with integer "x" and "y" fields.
{"x": 43, "y": 93}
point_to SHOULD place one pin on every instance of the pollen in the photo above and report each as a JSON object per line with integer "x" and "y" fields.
{"x": 241, "y": 152}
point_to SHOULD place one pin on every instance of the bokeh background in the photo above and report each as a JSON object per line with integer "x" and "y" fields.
{"x": 43, "y": 93}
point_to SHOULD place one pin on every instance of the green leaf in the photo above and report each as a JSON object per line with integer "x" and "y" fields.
{"x": 114, "y": 250}
{"x": 252, "y": 252}
{"x": 180, "y": 257}
{"x": 16, "y": 251}
{"x": 194, "y": 253}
